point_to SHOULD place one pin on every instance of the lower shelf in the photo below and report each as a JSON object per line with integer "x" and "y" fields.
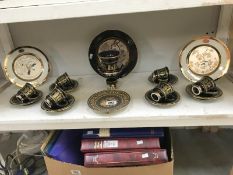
{"x": 195, "y": 152}
{"x": 202, "y": 153}
{"x": 139, "y": 113}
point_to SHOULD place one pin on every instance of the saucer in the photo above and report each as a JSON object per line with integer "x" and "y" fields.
{"x": 108, "y": 101}
{"x": 15, "y": 101}
{"x": 71, "y": 101}
{"x": 66, "y": 89}
{"x": 172, "y": 99}
{"x": 204, "y": 96}
{"x": 172, "y": 79}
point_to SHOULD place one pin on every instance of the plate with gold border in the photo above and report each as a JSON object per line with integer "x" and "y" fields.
{"x": 108, "y": 101}
{"x": 26, "y": 65}
{"x": 204, "y": 56}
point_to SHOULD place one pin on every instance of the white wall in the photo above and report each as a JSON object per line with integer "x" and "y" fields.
{"x": 159, "y": 37}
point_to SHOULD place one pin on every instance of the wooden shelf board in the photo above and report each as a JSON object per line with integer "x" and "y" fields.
{"x": 139, "y": 113}
{"x": 26, "y": 10}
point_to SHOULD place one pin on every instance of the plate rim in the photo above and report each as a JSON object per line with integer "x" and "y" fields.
{"x": 107, "y": 110}
{"x": 228, "y": 55}
{"x": 12, "y": 80}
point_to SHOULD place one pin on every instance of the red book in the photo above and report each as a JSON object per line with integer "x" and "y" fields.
{"x": 100, "y": 145}
{"x": 133, "y": 158}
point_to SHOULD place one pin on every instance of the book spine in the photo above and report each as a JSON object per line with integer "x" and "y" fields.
{"x": 97, "y": 145}
{"x": 115, "y": 159}
{"x": 123, "y": 133}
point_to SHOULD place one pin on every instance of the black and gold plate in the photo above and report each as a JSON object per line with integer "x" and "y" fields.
{"x": 205, "y": 96}
{"x": 171, "y": 80}
{"x": 118, "y": 41}
{"x": 108, "y": 101}
{"x": 15, "y": 101}
{"x": 67, "y": 89}
{"x": 70, "y": 100}
{"x": 172, "y": 99}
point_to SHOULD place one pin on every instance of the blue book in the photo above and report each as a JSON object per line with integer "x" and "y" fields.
{"x": 123, "y": 133}
{"x": 66, "y": 148}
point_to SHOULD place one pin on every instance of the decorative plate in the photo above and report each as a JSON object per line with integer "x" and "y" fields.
{"x": 172, "y": 99}
{"x": 26, "y": 65}
{"x": 70, "y": 99}
{"x": 113, "y": 40}
{"x": 204, "y": 96}
{"x": 205, "y": 56}
{"x": 108, "y": 101}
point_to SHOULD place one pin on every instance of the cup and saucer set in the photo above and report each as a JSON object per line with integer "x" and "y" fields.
{"x": 163, "y": 75}
{"x": 163, "y": 94}
{"x": 27, "y": 95}
{"x": 59, "y": 100}
{"x": 205, "y": 89}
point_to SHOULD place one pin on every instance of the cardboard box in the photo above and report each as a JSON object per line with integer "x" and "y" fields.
{"x": 55, "y": 167}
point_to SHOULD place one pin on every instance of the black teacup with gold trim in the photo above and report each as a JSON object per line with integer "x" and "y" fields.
{"x": 161, "y": 92}
{"x": 64, "y": 80}
{"x": 28, "y": 94}
{"x": 205, "y": 85}
{"x": 65, "y": 83}
{"x": 162, "y": 95}
{"x": 109, "y": 60}
{"x": 57, "y": 101}
{"x": 162, "y": 75}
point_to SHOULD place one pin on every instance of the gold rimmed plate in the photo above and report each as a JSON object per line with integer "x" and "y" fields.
{"x": 67, "y": 88}
{"x": 171, "y": 80}
{"x": 204, "y": 56}
{"x": 172, "y": 99}
{"x": 108, "y": 101}
{"x": 70, "y": 100}
{"x": 205, "y": 96}
{"x": 15, "y": 101}
{"x": 26, "y": 65}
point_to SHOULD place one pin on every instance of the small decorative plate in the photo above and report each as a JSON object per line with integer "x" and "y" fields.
{"x": 113, "y": 40}
{"x": 207, "y": 96}
{"x": 172, "y": 79}
{"x": 67, "y": 89}
{"x": 171, "y": 99}
{"x": 205, "y": 56}
{"x": 108, "y": 101}
{"x": 15, "y": 101}
{"x": 26, "y": 65}
{"x": 71, "y": 101}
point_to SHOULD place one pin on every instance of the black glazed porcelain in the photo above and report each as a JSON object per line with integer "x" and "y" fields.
{"x": 162, "y": 75}
{"x": 27, "y": 95}
{"x": 118, "y": 41}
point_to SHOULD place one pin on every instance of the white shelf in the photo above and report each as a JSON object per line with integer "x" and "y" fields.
{"x": 139, "y": 113}
{"x": 26, "y": 10}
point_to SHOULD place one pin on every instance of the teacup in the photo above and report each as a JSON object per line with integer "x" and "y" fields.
{"x": 109, "y": 59}
{"x": 57, "y": 98}
{"x": 63, "y": 81}
{"x": 205, "y": 85}
{"x": 26, "y": 93}
{"x": 161, "y": 91}
{"x": 160, "y": 75}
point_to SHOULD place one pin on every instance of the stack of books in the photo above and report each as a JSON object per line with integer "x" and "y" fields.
{"x": 123, "y": 147}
